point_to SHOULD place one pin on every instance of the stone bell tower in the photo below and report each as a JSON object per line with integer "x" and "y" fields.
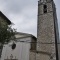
{"x": 47, "y": 35}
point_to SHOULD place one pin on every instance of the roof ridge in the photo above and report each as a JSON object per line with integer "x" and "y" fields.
{"x": 2, "y": 14}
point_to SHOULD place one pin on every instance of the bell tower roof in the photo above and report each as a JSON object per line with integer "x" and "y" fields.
{"x": 41, "y": 1}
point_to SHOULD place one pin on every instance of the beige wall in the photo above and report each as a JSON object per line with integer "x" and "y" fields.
{"x": 32, "y": 55}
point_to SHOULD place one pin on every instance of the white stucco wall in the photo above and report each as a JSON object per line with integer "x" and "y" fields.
{"x": 21, "y": 52}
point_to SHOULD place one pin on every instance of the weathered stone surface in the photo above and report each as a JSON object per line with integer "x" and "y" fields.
{"x": 46, "y": 28}
{"x": 47, "y": 33}
{"x": 42, "y": 57}
{"x": 32, "y": 55}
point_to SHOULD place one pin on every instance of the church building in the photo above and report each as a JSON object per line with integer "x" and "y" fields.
{"x": 47, "y": 35}
{"x": 19, "y": 49}
{"x": 47, "y": 45}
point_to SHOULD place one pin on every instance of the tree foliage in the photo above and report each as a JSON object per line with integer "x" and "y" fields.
{"x": 6, "y": 33}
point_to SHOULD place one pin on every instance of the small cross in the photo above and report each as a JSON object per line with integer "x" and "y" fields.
{"x": 11, "y": 56}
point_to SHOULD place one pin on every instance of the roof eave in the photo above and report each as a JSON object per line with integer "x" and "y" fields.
{"x": 7, "y": 20}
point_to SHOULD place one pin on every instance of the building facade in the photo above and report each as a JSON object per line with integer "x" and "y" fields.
{"x": 19, "y": 49}
{"x": 47, "y": 34}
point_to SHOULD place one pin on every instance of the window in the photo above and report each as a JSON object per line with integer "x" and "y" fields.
{"x": 45, "y": 8}
{"x": 13, "y": 46}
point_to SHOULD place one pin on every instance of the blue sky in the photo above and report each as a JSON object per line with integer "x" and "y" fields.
{"x": 23, "y": 13}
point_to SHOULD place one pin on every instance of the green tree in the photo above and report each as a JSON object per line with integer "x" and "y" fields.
{"x": 6, "y": 35}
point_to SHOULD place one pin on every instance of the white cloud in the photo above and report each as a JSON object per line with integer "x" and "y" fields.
{"x": 23, "y": 13}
